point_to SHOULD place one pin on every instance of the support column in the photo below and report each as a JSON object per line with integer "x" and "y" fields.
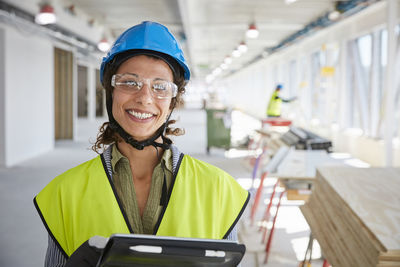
{"x": 392, "y": 6}
{"x": 3, "y": 143}
{"x": 374, "y": 98}
{"x": 91, "y": 85}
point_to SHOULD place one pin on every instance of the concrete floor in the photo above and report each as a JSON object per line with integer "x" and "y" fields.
{"x": 24, "y": 239}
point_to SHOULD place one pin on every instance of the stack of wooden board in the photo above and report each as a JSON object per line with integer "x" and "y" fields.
{"x": 354, "y": 213}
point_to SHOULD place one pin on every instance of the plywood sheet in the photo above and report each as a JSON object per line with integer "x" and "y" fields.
{"x": 374, "y": 196}
{"x": 342, "y": 210}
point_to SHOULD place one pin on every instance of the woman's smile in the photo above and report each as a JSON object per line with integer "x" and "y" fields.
{"x": 140, "y": 115}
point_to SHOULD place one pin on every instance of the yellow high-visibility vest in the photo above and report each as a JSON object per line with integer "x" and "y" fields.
{"x": 274, "y": 105}
{"x": 205, "y": 202}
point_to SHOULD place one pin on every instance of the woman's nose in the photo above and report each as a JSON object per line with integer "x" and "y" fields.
{"x": 144, "y": 95}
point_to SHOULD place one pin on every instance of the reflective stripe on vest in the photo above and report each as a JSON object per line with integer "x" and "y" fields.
{"x": 274, "y": 105}
{"x": 205, "y": 202}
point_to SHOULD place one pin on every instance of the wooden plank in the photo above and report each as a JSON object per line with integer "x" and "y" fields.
{"x": 391, "y": 255}
{"x": 388, "y": 264}
{"x": 297, "y": 194}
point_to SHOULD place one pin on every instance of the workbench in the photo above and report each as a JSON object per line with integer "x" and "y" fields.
{"x": 297, "y": 171}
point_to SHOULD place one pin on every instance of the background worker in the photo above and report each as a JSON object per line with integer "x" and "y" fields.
{"x": 275, "y": 102}
{"x": 140, "y": 183}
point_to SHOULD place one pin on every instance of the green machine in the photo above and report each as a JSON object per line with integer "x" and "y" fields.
{"x": 218, "y": 128}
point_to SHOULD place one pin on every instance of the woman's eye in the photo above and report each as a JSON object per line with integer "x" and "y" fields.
{"x": 131, "y": 83}
{"x": 160, "y": 87}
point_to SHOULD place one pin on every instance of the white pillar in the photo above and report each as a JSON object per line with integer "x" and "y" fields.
{"x": 91, "y": 87}
{"x": 392, "y": 6}
{"x": 373, "y": 97}
{"x": 3, "y": 142}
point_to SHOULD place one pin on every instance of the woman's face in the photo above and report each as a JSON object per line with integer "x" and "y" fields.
{"x": 140, "y": 114}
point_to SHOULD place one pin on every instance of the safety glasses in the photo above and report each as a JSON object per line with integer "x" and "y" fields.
{"x": 132, "y": 83}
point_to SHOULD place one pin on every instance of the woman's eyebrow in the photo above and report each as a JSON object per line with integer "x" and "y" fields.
{"x": 154, "y": 79}
{"x": 130, "y": 73}
{"x": 160, "y": 79}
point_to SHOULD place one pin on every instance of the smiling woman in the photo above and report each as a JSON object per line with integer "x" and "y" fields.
{"x": 140, "y": 183}
{"x": 138, "y": 109}
{"x": 123, "y": 74}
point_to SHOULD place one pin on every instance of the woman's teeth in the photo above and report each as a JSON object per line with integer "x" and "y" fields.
{"x": 140, "y": 115}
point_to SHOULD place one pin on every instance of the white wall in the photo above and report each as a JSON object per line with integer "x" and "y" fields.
{"x": 29, "y": 96}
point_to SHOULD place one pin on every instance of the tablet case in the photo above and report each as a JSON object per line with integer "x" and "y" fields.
{"x": 146, "y": 250}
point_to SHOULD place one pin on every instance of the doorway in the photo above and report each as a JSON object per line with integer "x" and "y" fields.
{"x": 63, "y": 94}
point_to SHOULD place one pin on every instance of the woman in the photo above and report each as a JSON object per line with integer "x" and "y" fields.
{"x": 141, "y": 183}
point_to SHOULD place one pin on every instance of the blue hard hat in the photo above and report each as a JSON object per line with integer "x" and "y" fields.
{"x": 279, "y": 86}
{"x": 147, "y": 36}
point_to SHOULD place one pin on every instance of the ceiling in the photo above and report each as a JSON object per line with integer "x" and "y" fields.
{"x": 209, "y": 30}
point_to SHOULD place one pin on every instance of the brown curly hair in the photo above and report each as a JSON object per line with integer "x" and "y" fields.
{"x": 107, "y": 136}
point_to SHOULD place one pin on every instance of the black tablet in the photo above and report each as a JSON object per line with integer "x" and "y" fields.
{"x": 146, "y": 250}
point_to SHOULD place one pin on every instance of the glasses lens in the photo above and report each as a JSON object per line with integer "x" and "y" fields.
{"x": 132, "y": 83}
{"x": 127, "y": 82}
{"x": 162, "y": 89}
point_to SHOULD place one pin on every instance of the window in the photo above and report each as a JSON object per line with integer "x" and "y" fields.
{"x": 353, "y": 119}
{"x": 330, "y": 77}
{"x": 360, "y": 51}
{"x": 381, "y": 68}
{"x": 82, "y": 92}
{"x": 397, "y": 89}
{"x": 315, "y": 83}
{"x": 304, "y": 87}
{"x": 383, "y": 62}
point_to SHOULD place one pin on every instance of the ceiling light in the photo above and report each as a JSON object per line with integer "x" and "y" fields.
{"x": 252, "y": 32}
{"x": 103, "y": 45}
{"x": 236, "y": 53}
{"x": 334, "y": 15}
{"x": 217, "y": 71}
{"x": 228, "y": 60}
{"x": 242, "y": 47}
{"x": 288, "y": 2}
{"x": 46, "y": 15}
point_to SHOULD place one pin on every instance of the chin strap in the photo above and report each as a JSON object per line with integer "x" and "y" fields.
{"x": 140, "y": 145}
